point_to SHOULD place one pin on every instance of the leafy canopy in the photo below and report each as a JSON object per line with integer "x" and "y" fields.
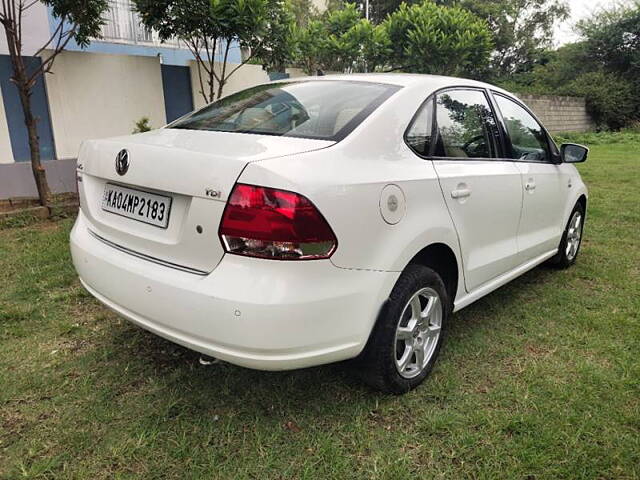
{"x": 341, "y": 40}
{"x": 612, "y": 38}
{"x": 194, "y": 20}
{"x": 276, "y": 49}
{"x": 421, "y": 38}
{"x": 78, "y": 21}
{"x": 603, "y": 67}
{"x": 428, "y": 38}
{"x": 520, "y": 28}
{"x": 84, "y": 18}
{"x": 211, "y": 28}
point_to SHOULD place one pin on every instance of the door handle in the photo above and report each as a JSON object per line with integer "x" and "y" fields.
{"x": 530, "y": 186}
{"x": 461, "y": 193}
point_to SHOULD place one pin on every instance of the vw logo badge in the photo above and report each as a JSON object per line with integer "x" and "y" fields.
{"x": 122, "y": 162}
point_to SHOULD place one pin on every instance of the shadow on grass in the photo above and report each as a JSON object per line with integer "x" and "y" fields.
{"x": 332, "y": 390}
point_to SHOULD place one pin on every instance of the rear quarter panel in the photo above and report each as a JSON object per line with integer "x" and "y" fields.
{"x": 345, "y": 182}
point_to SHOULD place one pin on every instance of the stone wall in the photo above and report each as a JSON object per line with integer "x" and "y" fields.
{"x": 560, "y": 114}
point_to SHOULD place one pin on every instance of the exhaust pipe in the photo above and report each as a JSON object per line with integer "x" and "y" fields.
{"x": 206, "y": 360}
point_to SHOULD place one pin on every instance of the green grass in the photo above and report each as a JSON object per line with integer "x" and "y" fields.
{"x": 539, "y": 380}
{"x": 630, "y": 136}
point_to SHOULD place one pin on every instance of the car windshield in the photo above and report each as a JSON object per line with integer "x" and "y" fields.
{"x": 320, "y": 109}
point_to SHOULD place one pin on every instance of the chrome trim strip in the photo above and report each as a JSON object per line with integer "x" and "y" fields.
{"x": 147, "y": 257}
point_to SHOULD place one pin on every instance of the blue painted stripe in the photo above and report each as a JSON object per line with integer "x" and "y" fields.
{"x": 176, "y": 86}
{"x": 170, "y": 56}
{"x": 15, "y": 117}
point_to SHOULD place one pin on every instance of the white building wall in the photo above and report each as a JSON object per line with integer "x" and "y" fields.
{"x": 295, "y": 72}
{"x": 93, "y": 95}
{"x": 246, "y": 76}
{"x": 35, "y": 30}
{"x": 6, "y": 154}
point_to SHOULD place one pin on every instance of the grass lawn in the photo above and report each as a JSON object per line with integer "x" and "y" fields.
{"x": 539, "y": 380}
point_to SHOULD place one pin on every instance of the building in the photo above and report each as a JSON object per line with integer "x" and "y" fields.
{"x": 97, "y": 92}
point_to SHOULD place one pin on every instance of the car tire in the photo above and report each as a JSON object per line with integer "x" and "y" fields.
{"x": 571, "y": 239}
{"x": 404, "y": 346}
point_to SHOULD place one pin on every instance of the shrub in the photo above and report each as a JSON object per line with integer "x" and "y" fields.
{"x": 610, "y": 98}
{"x": 430, "y": 38}
{"x": 142, "y": 125}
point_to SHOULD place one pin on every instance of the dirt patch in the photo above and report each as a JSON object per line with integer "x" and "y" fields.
{"x": 25, "y": 203}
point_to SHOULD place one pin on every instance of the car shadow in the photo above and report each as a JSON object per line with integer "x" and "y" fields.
{"x": 320, "y": 389}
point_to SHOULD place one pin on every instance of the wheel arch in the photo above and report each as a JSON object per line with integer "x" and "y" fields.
{"x": 442, "y": 259}
{"x": 582, "y": 199}
{"x": 579, "y": 197}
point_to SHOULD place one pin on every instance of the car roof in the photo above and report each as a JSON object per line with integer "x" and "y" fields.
{"x": 432, "y": 82}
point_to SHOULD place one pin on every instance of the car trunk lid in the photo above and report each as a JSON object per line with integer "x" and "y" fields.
{"x": 193, "y": 171}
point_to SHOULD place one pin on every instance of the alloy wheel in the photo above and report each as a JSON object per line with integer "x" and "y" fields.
{"x": 574, "y": 235}
{"x": 417, "y": 333}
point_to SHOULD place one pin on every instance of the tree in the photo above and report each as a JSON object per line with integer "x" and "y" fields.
{"x": 612, "y": 41}
{"x": 276, "y": 49}
{"x": 311, "y": 51}
{"x": 210, "y": 28}
{"x": 603, "y": 67}
{"x": 380, "y": 9}
{"x": 342, "y": 40}
{"x": 78, "y": 21}
{"x": 428, "y": 38}
{"x": 611, "y": 99}
{"x": 303, "y": 12}
{"x": 520, "y": 29}
{"x": 612, "y": 38}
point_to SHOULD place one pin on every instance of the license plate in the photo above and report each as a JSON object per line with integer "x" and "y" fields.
{"x": 142, "y": 206}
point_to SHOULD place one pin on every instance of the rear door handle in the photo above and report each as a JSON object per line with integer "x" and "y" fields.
{"x": 461, "y": 193}
{"x": 530, "y": 186}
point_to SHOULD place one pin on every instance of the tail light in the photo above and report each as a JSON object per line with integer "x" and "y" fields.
{"x": 269, "y": 223}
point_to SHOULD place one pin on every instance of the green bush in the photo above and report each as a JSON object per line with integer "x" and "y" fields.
{"x": 142, "y": 125}
{"x": 431, "y": 38}
{"x": 610, "y": 98}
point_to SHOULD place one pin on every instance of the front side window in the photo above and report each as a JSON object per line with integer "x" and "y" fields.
{"x": 465, "y": 125}
{"x": 528, "y": 139}
{"x": 326, "y": 109}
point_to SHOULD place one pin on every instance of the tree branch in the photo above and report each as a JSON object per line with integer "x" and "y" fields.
{"x": 193, "y": 47}
{"x": 223, "y": 78}
{"x": 24, "y": 9}
{"x": 55, "y": 33}
{"x": 46, "y": 65}
{"x": 395, "y": 69}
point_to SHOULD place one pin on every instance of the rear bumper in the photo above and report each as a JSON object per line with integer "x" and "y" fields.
{"x": 263, "y": 314}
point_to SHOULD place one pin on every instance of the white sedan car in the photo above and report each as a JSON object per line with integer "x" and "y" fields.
{"x": 314, "y": 220}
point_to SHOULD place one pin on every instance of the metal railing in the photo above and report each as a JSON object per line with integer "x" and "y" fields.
{"x": 123, "y": 26}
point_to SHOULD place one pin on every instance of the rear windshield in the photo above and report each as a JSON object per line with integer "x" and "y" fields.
{"x": 325, "y": 109}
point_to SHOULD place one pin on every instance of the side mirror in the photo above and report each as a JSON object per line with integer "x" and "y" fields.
{"x": 573, "y": 153}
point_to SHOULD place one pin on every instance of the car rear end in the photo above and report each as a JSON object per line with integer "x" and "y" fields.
{"x": 169, "y": 237}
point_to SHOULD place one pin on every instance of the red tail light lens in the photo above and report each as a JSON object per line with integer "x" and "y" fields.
{"x": 269, "y": 223}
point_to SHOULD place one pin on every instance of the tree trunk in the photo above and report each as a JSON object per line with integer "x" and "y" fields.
{"x": 211, "y": 86}
{"x": 21, "y": 80}
{"x": 39, "y": 174}
{"x": 221, "y": 85}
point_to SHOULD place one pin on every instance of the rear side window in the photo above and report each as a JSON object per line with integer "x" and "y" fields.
{"x": 465, "y": 125}
{"x": 528, "y": 140}
{"x": 418, "y": 136}
{"x": 326, "y": 109}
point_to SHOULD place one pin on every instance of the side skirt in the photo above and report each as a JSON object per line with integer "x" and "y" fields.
{"x": 499, "y": 281}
